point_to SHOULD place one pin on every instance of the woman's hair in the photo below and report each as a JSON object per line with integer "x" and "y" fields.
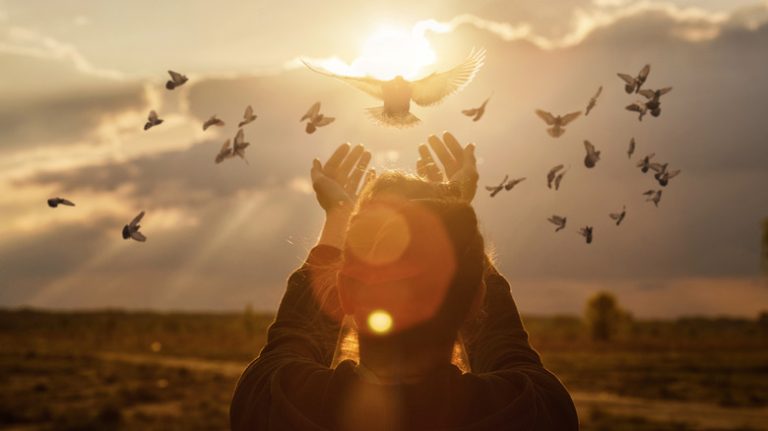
{"x": 459, "y": 224}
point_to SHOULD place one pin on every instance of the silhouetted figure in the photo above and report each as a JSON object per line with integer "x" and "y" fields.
{"x": 131, "y": 230}
{"x": 177, "y": 80}
{"x": 315, "y": 119}
{"x": 593, "y": 101}
{"x": 586, "y": 232}
{"x": 653, "y": 196}
{"x": 55, "y": 202}
{"x": 225, "y": 152}
{"x": 558, "y": 221}
{"x": 152, "y": 120}
{"x": 213, "y": 121}
{"x": 654, "y": 99}
{"x": 634, "y": 84}
{"x": 592, "y": 157}
{"x": 476, "y": 113}
{"x": 557, "y": 122}
{"x": 248, "y": 116}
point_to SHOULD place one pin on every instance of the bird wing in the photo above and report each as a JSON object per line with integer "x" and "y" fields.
{"x": 631, "y": 146}
{"x": 364, "y": 83}
{"x": 590, "y": 148}
{"x": 136, "y": 219}
{"x": 673, "y": 174}
{"x": 567, "y": 118}
{"x": 664, "y": 91}
{"x": 176, "y": 77}
{"x": 648, "y": 94}
{"x": 138, "y": 236}
{"x": 599, "y": 92}
{"x": 649, "y": 193}
{"x": 325, "y": 121}
{"x": 546, "y": 116}
{"x": 554, "y": 170}
{"x": 643, "y": 75}
{"x": 657, "y": 167}
{"x": 312, "y": 112}
{"x": 635, "y": 108}
{"x": 225, "y": 146}
{"x": 470, "y": 112}
{"x": 628, "y": 79}
{"x": 491, "y": 188}
{"x": 615, "y": 216}
{"x": 513, "y": 183}
{"x": 152, "y": 116}
{"x": 432, "y": 89}
{"x": 71, "y": 204}
{"x": 248, "y": 114}
{"x": 239, "y": 137}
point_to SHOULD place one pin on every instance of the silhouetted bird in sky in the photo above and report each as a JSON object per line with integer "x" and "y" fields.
{"x": 478, "y": 112}
{"x": 152, "y": 120}
{"x": 645, "y": 164}
{"x": 177, "y": 80}
{"x": 557, "y": 122}
{"x": 131, "y": 230}
{"x": 512, "y": 183}
{"x": 397, "y": 93}
{"x": 663, "y": 175}
{"x": 248, "y": 116}
{"x": 653, "y": 196}
{"x": 239, "y": 145}
{"x": 654, "y": 99}
{"x": 638, "y": 107}
{"x": 315, "y": 118}
{"x": 586, "y": 232}
{"x": 592, "y": 157}
{"x": 619, "y": 217}
{"x": 496, "y": 189}
{"x": 558, "y": 221}
{"x": 213, "y": 121}
{"x": 54, "y": 202}
{"x": 634, "y": 84}
{"x": 552, "y": 174}
{"x": 225, "y": 152}
{"x": 593, "y": 101}
{"x": 632, "y": 145}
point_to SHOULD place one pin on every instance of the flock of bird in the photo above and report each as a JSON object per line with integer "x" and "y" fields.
{"x": 397, "y": 95}
{"x": 556, "y": 128}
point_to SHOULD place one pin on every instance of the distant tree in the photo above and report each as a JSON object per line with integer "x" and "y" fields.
{"x": 604, "y": 317}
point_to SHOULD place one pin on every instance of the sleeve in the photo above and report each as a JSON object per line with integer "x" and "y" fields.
{"x": 498, "y": 343}
{"x": 304, "y": 330}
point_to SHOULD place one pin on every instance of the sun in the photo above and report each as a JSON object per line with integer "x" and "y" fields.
{"x": 391, "y": 51}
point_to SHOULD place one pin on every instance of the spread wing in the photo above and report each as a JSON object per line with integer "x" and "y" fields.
{"x": 599, "y": 92}
{"x": 432, "y": 89}
{"x": 248, "y": 112}
{"x": 590, "y": 148}
{"x": 644, "y": 72}
{"x": 570, "y": 117}
{"x": 554, "y": 170}
{"x": 615, "y": 216}
{"x": 325, "y": 121}
{"x": 312, "y": 112}
{"x": 239, "y": 137}
{"x": 136, "y": 219}
{"x": 635, "y": 108}
{"x": 470, "y": 112}
{"x": 138, "y": 236}
{"x": 664, "y": 91}
{"x": 628, "y": 79}
{"x": 673, "y": 174}
{"x": 366, "y": 84}
{"x": 152, "y": 116}
{"x": 176, "y": 77}
{"x": 657, "y": 167}
{"x": 648, "y": 94}
{"x": 71, "y": 204}
{"x": 225, "y": 146}
{"x": 546, "y": 116}
{"x": 649, "y": 193}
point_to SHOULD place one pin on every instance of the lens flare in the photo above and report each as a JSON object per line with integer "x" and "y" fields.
{"x": 380, "y": 321}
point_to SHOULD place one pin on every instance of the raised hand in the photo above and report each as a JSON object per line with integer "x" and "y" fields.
{"x": 459, "y": 164}
{"x": 336, "y": 183}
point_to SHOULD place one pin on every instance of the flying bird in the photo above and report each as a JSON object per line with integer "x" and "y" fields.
{"x": 316, "y": 119}
{"x": 496, "y": 189}
{"x": 512, "y": 183}
{"x": 638, "y": 107}
{"x": 239, "y": 146}
{"x": 632, "y": 145}
{"x": 224, "y": 153}
{"x": 586, "y": 232}
{"x": 590, "y": 160}
{"x": 177, "y": 80}
{"x": 645, "y": 164}
{"x": 248, "y": 116}
{"x": 152, "y": 120}
{"x": 653, "y": 196}
{"x": 558, "y": 179}
{"x": 663, "y": 175}
{"x": 593, "y": 101}
{"x": 478, "y": 112}
{"x": 552, "y": 174}
{"x": 654, "y": 99}
{"x": 633, "y": 84}
{"x": 213, "y": 121}
{"x": 398, "y": 93}
{"x": 54, "y": 202}
{"x": 557, "y": 122}
{"x": 558, "y": 221}
{"x": 619, "y": 217}
{"x": 131, "y": 230}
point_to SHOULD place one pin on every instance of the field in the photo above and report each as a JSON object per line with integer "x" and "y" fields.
{"x": 175, "y": 371}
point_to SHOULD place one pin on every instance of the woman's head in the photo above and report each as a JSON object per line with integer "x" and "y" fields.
{"x": 413, "y": 260}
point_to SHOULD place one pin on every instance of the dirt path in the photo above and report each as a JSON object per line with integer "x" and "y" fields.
{"x": 706, "y": 415}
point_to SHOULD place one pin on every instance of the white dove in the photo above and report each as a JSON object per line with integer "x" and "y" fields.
{"x": 398, "y": 93}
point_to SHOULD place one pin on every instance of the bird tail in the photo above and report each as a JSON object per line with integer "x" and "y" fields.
{"x": 398, "y": 120}
{"x": 555, "y": 132}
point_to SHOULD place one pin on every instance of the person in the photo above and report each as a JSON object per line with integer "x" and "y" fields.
{"x": 404, "y": 260}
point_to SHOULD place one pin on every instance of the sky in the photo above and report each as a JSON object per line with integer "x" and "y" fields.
{"x": 78, "y": 78}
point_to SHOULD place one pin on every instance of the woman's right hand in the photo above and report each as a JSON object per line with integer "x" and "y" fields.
{"x": 336, "y": 182}
{"x": 459, "y": 164}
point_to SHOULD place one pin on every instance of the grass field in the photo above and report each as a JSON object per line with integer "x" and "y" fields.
{"x": 118, "y": 370}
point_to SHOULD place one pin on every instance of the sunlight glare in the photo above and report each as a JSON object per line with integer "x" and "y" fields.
{"x": 380, "y": 322}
